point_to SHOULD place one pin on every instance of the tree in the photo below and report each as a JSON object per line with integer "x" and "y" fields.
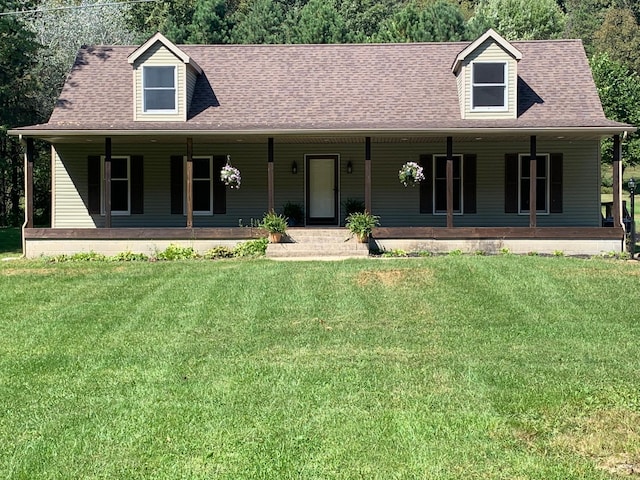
{"x": 519, "y": 19}
{"x": 171, "y": 17}
{"x": 63, "y": 32}
{"x": 18, "y": 85}
{"x": 439, "y": 21}
{"x": 210, "y": 23}
{"x": 262, "y": 22}
{"x": 619, "y": 90}
{"x": 619, "y": 36}
{"x": 319, "y": 21}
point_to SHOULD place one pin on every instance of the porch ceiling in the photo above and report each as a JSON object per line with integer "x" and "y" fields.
{"x": 321, "y": 139}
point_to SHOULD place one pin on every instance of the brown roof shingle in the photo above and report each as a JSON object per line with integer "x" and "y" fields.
{"x": 369, "y": 87}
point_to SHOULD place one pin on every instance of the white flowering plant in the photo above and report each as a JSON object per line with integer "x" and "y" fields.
{"x": 410, "y": 174}
{"x": 230, "y": 175}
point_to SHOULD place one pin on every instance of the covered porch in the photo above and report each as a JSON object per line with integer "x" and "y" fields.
{"x": 365, "y": 167}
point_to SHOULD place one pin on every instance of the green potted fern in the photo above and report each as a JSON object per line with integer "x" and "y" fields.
{"x": 275, "y": 224}
{"x": 361, "y": 224}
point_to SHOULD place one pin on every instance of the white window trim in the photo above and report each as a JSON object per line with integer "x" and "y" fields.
{"x": 503, "y": 108}
{"x": 103, "y": 208}
{"x": 173, "y": 111}
{"x": 211, "y": 174}
{"x": 433, "y": 176}
{"x": 547, "y": 183}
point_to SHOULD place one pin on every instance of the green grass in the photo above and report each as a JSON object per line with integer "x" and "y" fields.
{"x": 449, "y": 367}
{"x": 10, "y": 242}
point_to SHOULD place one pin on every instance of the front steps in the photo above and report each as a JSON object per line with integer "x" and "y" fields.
{"x": 315, "y": 242}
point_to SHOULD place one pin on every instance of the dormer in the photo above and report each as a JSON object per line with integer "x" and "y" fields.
{"x": 164, "y": 79}
{"x": 487, "y": 77}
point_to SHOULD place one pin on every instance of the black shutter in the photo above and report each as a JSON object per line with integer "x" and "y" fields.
{"x": 556, "y": 182}
{"x": 426, "y": 186}
{"x": 511, "y": 183}
{"x": 219, "y": 188}
{"x": 177, "y": 184}
{"x": 137, "y": 185}
{"x": 93, "y": 169}
{"x": 469, "y": 187}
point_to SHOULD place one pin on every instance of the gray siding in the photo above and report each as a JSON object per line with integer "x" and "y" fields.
{"x": 396, "y": 205}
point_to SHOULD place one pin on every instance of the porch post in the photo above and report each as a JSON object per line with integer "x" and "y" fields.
{"x": 367, "y": 174}
{"x": 189, "y": 182}
{"x": 107, "y": 182}
{"x": 449, "y": 182}
{"x": 533, "y": 174}
{"x": 28, "y": 186}
{"x": 617, "y": 182}
{"x": 270, "y": 187}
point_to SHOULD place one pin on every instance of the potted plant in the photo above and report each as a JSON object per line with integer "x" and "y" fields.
{"x": 410, "y": 174}
{"x": 361, "y": 224}
{"x": 275, "y": 224}
{"x": 352, "y": 205}
{"x": 294, "y": 212}
{"x": 230, "y": 175}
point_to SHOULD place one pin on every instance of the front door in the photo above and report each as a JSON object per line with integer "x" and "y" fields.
{"x": 322, "y": 189}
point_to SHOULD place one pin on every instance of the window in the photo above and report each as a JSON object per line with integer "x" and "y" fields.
{"x": 489, "y": 86}
{"x": 159, "y": 86}
{"x": 202, "y": 185}
{"x": 541, "y": 182}
{"x": 440, "y": 184}
{"x": 433, "y": 190}
{"x": 209, "y": 192}
{"x": 127, "y": 185}
{"x": 120, "y": 193}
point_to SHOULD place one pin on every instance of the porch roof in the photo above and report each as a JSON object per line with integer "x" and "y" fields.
{"x": 302, "y": 90}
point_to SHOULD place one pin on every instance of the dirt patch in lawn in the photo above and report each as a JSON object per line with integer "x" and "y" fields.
{"x": 611, "y": 438}
{"x": 390, "y": 278}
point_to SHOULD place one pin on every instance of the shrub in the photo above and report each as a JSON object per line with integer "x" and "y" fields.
{"x": 395, "y": 253}
{"x": 176, "y": 252}
{"x": 219, "y": 252}
{"x": 251, "y": 248}
{"x": 129, "y": 256}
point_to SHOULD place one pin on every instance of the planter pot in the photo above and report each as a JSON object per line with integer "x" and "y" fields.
{"x": 275, "y": 237}
{"x": 363, "y": 238}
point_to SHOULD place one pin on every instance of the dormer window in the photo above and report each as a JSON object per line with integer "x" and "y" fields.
{"x": 489, "y": 86}
{"x": 159, "y": 86}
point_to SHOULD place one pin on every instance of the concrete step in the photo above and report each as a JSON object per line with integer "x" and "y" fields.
{"x": 344, "y": 250}
{"x": 317, "y": 242}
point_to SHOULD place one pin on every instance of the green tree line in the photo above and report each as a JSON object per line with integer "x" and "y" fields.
{"x": 38, "y": 49}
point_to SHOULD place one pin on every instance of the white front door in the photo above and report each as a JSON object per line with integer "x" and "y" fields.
{"x": 322, "y": 191}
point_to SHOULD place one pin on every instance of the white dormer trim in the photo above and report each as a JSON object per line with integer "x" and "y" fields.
{"x": 169, "y": 45}
{"x": 492, "y": 34}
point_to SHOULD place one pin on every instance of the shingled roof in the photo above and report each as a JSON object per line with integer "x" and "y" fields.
{"x": 330, "y": 88}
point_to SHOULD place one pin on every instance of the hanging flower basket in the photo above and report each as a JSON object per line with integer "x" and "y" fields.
{"x": 230, "y": 175}
{"x": 410, "y": 174}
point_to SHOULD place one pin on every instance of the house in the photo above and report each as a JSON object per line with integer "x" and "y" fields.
{"x": 140, "y": 134}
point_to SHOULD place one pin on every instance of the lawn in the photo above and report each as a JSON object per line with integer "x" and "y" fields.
{"x": 450, "y": 367}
